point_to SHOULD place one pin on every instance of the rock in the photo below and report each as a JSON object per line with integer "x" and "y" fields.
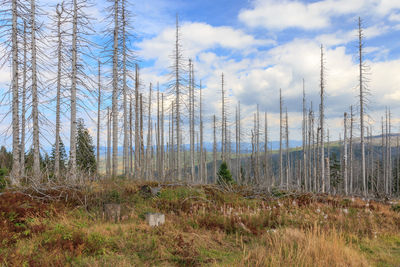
{"x": 155, "y": 219}
{"x": 112, "y": 212}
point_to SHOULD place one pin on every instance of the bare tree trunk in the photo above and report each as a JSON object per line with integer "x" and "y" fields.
{"x": 124, "y": 90}
{"x": 239, "y": 148}
{"x": 309, "y": 165}
{"x": 304, "y": 131}
{"x": 386, "y": 166}
{"x": 72, "y": 157}
{"x": 15, "y": 172}
{"x": 351, "y": 168}
{"x": 162, "y": 139}
{"x": 362, "y": 102}
{"x": 58, "y": 97}
{"x": 258, "y": 146}
{"x": 322, "y": 85}
{"x": 148, "y": 147}
{"x": 390, "y": 176}
{"x": 222, "y": 118}
{"x": 141, "y": 156}
{"x": 280, "y": 139}
{"x": 177, "y": 103}
{"x": 23, "y": 104}
{"x": 215, "y": 153}
{"x": 35, "y": 101}
{"x": 203, "y": 179}
{"x": 137, "y": 134}
{"x": 98, "y": 118}
{"x": 266, "y": 165}
{"x": 108, "y": 162}
{"x": 345, "y": 179}
{"x": 158, "y": 155}
{"x": 130, "y": 136}
{"x": 287, "y": 151}
{"x": 383, "y": 158}
{"x": 115, "y": 93}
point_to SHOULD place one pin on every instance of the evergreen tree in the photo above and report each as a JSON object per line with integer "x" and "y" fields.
{"x": 224, "y": 175}
{"x": 85, "y": 155}
{"x": 336, "y": 177}
{"x": 62, "y": 156}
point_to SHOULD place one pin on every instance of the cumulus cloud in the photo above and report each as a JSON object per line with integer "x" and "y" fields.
{"x": 279, "y": 15}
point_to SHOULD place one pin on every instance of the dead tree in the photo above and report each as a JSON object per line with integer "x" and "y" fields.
{"x": 223, "y": 119}
{"x": 203, "y": 178}
{"x": 363, "y": 91}
{"x": 345, "y": 178}
{"x": 115, "y": 78}
{"x": 98, "y": 116}
{"x": 287, "y": 150}
{"x": 304, "y": 143}
{"x": 215, "y": 152}
{"x": 280, "y": 139}
{"x": 23, "y": 103}
{"x": 137, "y": 133}
{"x": 108, "y": 160}
{"x": 15, "y": 172}
{"x": 321, "y": 116}
{"x": 351, "y": 167}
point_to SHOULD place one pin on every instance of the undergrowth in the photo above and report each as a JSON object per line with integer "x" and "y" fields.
{"x": 205, "y": 226}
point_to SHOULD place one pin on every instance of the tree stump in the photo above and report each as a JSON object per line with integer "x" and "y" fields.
{"x": 112, "y": 212}
{"x": 155, "y": 219}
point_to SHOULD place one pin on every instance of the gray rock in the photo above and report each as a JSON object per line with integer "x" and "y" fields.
{"x": 155, "y": 219}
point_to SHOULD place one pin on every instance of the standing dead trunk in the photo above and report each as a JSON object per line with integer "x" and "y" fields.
{"x": 266, "y": 163}
{"x": 125, "y": 89}
{"x": 202, "y": 161}
{"x": 304, "y": 143}
{"x": 222, "y": 119}
{"x": 322, "y": 93}
{"x": 15, "y": 172}
{"x": 72, "y": 157}
{"x": 137, "y": 134}
{"x": 35, "y": 100}
{"x": 287, "y": 151}
{"x": 215, "y": 152}
{"x": 58, "y": 96}
{"x": 108, "y": 160}
{"x": 23, "y": 104}
{"x": 280, "y": 139}
{"x": 162, "y": 139}
{"x": 345, "y": 179}
{"x": 98, "y": 117}
{"x": 362, "y": 102}
{"x": 351, "y": 168}
{"x": 115, "y": 92}
{"x": 178, "y": 59}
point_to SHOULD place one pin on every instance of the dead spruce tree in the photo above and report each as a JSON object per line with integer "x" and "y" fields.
{"x": 280, "y": 138}
{"x": 363, "y": 91}
{"x": 176, "y": 88}
{"x": 23, "y": 101}
{"x": 321, "y": 117}
{"x": 80, "y": 80}
{"x": 61, "y": 53}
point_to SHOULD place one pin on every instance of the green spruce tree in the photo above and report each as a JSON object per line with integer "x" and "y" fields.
{"x": 224, "y": 175}
{"x": 85, "y": 154}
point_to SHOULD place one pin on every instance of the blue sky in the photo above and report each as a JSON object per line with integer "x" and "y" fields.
{"x": 264, "y": 45}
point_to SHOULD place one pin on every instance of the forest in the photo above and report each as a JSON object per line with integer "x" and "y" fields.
{"x": 212, "y": 174}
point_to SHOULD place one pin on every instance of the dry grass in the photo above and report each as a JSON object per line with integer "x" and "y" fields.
{"x": 204, "y": 227}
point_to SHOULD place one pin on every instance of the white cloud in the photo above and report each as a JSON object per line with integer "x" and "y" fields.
{"x": 279, "y": 15}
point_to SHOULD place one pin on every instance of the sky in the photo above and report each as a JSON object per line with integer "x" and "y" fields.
{"x": 262, "y": 46}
